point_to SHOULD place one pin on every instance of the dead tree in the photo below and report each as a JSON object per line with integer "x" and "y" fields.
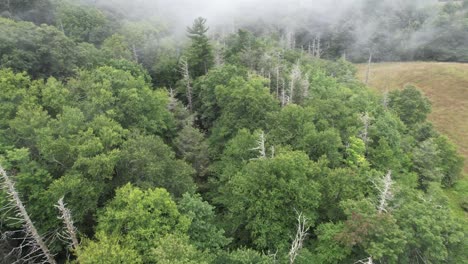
{"x": 284, "y": 100}
{"x": 135, "y": 54}
{"x": 301, "y": 233}
{"x": 296, "y": 77}
{"x": 70, "y": 230}
{"x": 368, "y": 67}
{"x": 261, "y": 146}
{"x": 368, "y": 260}
{"x": 38, "y": 250}
{"x": 365, "y": 119}
{"x": 184, "y": 70}
{"x": 306, "y": 86}
{"x": 318, "y": 50}
{"x": 385, "y": 192}
{"x": 219, "y": 60}
{"x": 385, "y": 99}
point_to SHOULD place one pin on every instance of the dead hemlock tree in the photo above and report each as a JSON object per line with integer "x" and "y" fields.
{"x": 32, "y": 242}
{"x": 385, "y": 192}
{"x": 135, "y": 54}
{"x": 172, "y": 100}
{"x": 296, "y": 77}
{"x": 284, "y": 98}
{"x": 219, "y": 60}
{"x": 368, "y": 260}
{"x": 385, "y": 196}
{"x": 301, "y": 233}
{"x": 368, "y": 67}
{"x": 261, "y": 146}
{"x": 184, "y": 70}
{"x": 365, "y": 119}
{"x": 70, "y": 231}
{"x": 385, "y": 98}
{"x": 289, "y": 40}
{"x": 315, "y": 49}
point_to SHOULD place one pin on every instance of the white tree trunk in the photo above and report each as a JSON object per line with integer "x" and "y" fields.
{"x": 35, "y": 241}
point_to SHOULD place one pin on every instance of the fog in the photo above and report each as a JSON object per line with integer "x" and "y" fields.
{"x": 310, "y": 17}
{"x": 287, "y": 13}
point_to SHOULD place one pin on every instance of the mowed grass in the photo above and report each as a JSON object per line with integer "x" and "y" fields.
{"x": 446, "y": 85}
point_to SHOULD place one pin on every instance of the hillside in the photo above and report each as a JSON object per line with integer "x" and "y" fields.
{"x": 446, "y": 85}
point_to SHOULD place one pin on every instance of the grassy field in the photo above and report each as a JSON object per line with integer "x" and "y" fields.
{"x": 446, "y": 85}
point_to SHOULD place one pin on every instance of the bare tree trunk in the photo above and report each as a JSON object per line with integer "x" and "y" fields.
{"x": 283, "y": 94}
{"x": 261, "y": 146}
{"x": 186, "y": 75}
{"x": 385, "y": 192}
{"x": 365, "y": 119}
{"x": 301, "y": 233}
{"x": 385, "y": 98}
{"x": 135, "y": 54}
{"x": 66, "y": 217}
{"x": 277, "y": 80}
{"x": 368, "y": 67}
{"x": 319, "y": 51}
{"x": 29, "y": 228}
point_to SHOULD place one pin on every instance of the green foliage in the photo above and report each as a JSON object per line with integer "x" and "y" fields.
{"x": 147, "y": 162}
{"x": 82, "y": 23}
{"x": 41, "y": 51}
{"x": 205, "y": 101}
{"x": 108, "y": 250}
{"x": 451, "y": 162}
{"x": 410, "y": 105}
{"x": 244, "y": 104}
{"x": 263, "y": 198}
{"x": 243, "y": 256}
{"x": 203, "y": 231}
{"x": 200, "y": 53}
{"x": 140, "y": 220}
{"x": 192, "y": 147}
{"x": 86, "y": 120}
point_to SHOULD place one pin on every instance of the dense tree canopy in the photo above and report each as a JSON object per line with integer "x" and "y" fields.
{"x": 216, "y": 148}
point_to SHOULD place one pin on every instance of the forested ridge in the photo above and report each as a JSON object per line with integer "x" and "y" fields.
{"x": 121, "y": 142}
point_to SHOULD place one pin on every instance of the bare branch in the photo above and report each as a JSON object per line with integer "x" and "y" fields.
{"x": 261, "y": 146}
{"x": 32, "y": 239}
{"x": 385, "y": 192}
{"x": 70, "y": 230}
{"x": 301, "y": 233}
{"x": 184, "y": 70}
{"x": 368, "y": 260}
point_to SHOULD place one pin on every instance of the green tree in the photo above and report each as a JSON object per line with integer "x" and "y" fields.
{"x": 410, "y": 105}
{"x": 82, "y": 23}
{"x": 200, "y": 53}
{"x": 147, "y": 162}
{"x": 263, "y": 198}
{"x": 451, "y": 162}
{"x": 137, "y": 221}
{"x": 203, "y": 231}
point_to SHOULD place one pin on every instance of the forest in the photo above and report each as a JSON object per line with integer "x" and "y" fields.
{"x": 130, "y": 137}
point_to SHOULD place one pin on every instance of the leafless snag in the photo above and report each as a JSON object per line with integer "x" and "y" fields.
{"x": 296, "y": 76}
{"x": 368, "y": 67}
{"x": 70, "y": 230}
{"x": 261, "y": 146}
{"x": 385, "y": 192}
{"x": 365, "y": 119}
{"x": 32, "y": 248}
{"x": 301, "y": 233}
{"x": 184, "y": 70}
{"x": 368, "y": 260}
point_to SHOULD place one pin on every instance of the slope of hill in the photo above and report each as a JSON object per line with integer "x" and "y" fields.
{"x": 446, "y": 85}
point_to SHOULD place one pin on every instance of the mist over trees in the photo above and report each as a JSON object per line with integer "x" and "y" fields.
{"x": 128, "y": 136}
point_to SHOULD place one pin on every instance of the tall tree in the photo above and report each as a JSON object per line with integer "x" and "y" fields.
{"x": 200, "y": 53}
